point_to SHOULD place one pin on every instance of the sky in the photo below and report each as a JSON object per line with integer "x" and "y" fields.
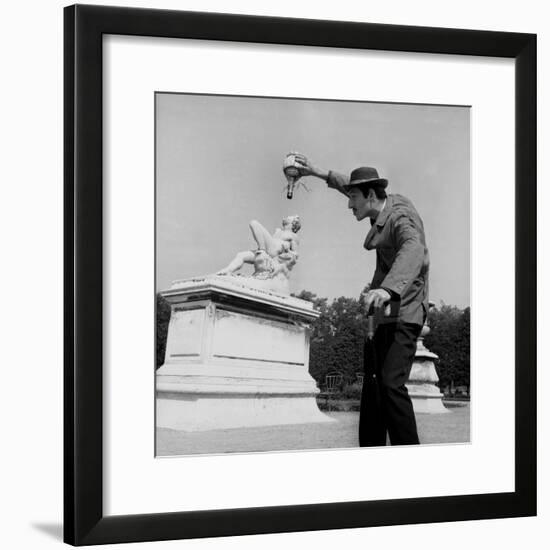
{"x": 219, "y": 165}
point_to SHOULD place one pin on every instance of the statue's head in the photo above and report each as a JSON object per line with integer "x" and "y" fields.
{"x": 293, "y": 222}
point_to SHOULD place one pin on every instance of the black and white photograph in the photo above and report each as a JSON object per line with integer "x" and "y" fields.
{"x": 312, "y": 274}
{"x": 275, "y": 274}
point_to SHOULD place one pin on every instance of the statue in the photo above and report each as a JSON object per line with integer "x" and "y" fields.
{"x": 237, "y": 350}
{"x": 274, "y": 258}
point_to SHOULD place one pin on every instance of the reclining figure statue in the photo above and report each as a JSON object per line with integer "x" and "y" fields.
{"x": 273, "y": 259}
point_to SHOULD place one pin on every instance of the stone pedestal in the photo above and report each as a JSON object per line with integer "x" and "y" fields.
{"x": 425, "y": 395}
{"x": 235, "y": 357}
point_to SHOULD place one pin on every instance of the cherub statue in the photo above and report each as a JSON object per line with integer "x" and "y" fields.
{"x": 276, "y": 254}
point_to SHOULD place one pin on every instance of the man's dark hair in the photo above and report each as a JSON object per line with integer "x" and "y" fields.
{"x": 379, "y": 191}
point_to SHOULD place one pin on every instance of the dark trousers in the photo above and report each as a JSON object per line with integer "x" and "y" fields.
{"x": 386, "y": 407}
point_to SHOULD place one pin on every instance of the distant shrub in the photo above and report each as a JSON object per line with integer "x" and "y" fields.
{"x": 351, "y": 391}
{"x": 163, "y": 320}
{"x": 449, "y": 338}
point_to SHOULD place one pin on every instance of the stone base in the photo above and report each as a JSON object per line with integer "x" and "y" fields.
{"x": 426, "y": 398}
{"x": 235, "y": 357}
{"x": 428, "y": 405}
{"x": 423, "y": 378}
{"x": 192, "y": 412}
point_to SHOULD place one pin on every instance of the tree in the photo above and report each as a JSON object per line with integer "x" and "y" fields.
{"x": 163, "y": 320}
{"x": 348, "y": 321}
{"x": 320, "y": 337}
{"x": 449, "y": 338}
{"x": 336, "y": 343}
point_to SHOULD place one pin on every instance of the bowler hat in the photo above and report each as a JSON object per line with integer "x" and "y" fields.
{"x": 366, "y": 174}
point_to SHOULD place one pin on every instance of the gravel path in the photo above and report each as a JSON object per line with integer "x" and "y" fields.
{"x": 453, "y": 427}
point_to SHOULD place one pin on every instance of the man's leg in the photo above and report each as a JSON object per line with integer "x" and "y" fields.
{"x": 372, "y": 426}
{"x": 396, "y": 404}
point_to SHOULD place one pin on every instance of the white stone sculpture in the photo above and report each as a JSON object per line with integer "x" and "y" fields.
{"x": 273, "y": 259}
{"x": 423, "y": 379}
{"x": 237, "y": 352}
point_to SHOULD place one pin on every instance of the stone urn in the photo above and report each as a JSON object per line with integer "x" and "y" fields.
{"x": 422, "y": 385}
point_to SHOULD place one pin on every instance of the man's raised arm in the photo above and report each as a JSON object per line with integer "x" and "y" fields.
{"x": 334, "y": 179}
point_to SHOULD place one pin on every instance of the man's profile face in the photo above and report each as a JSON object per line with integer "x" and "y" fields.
{"x": 361, "y": 206}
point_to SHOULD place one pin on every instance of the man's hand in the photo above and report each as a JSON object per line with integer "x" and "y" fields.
{"x": 307, "y": 169}
{"x": 377, "y": 298}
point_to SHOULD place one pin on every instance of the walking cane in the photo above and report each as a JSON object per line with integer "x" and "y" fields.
{"x": 370, "y": 395}
{"x": 370, "y": 352}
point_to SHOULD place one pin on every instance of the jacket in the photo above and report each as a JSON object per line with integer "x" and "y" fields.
{"x": 402, "y": 258}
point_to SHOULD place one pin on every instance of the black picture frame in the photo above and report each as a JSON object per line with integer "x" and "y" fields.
{"x": 84, "y": 522}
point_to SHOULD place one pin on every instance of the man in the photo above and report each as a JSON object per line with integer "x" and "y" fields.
{"x": 399, "y": 295}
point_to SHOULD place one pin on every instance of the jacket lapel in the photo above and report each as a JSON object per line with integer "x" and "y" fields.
{"x": 378, "y": 224}
{"x": 370, "y": 236}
